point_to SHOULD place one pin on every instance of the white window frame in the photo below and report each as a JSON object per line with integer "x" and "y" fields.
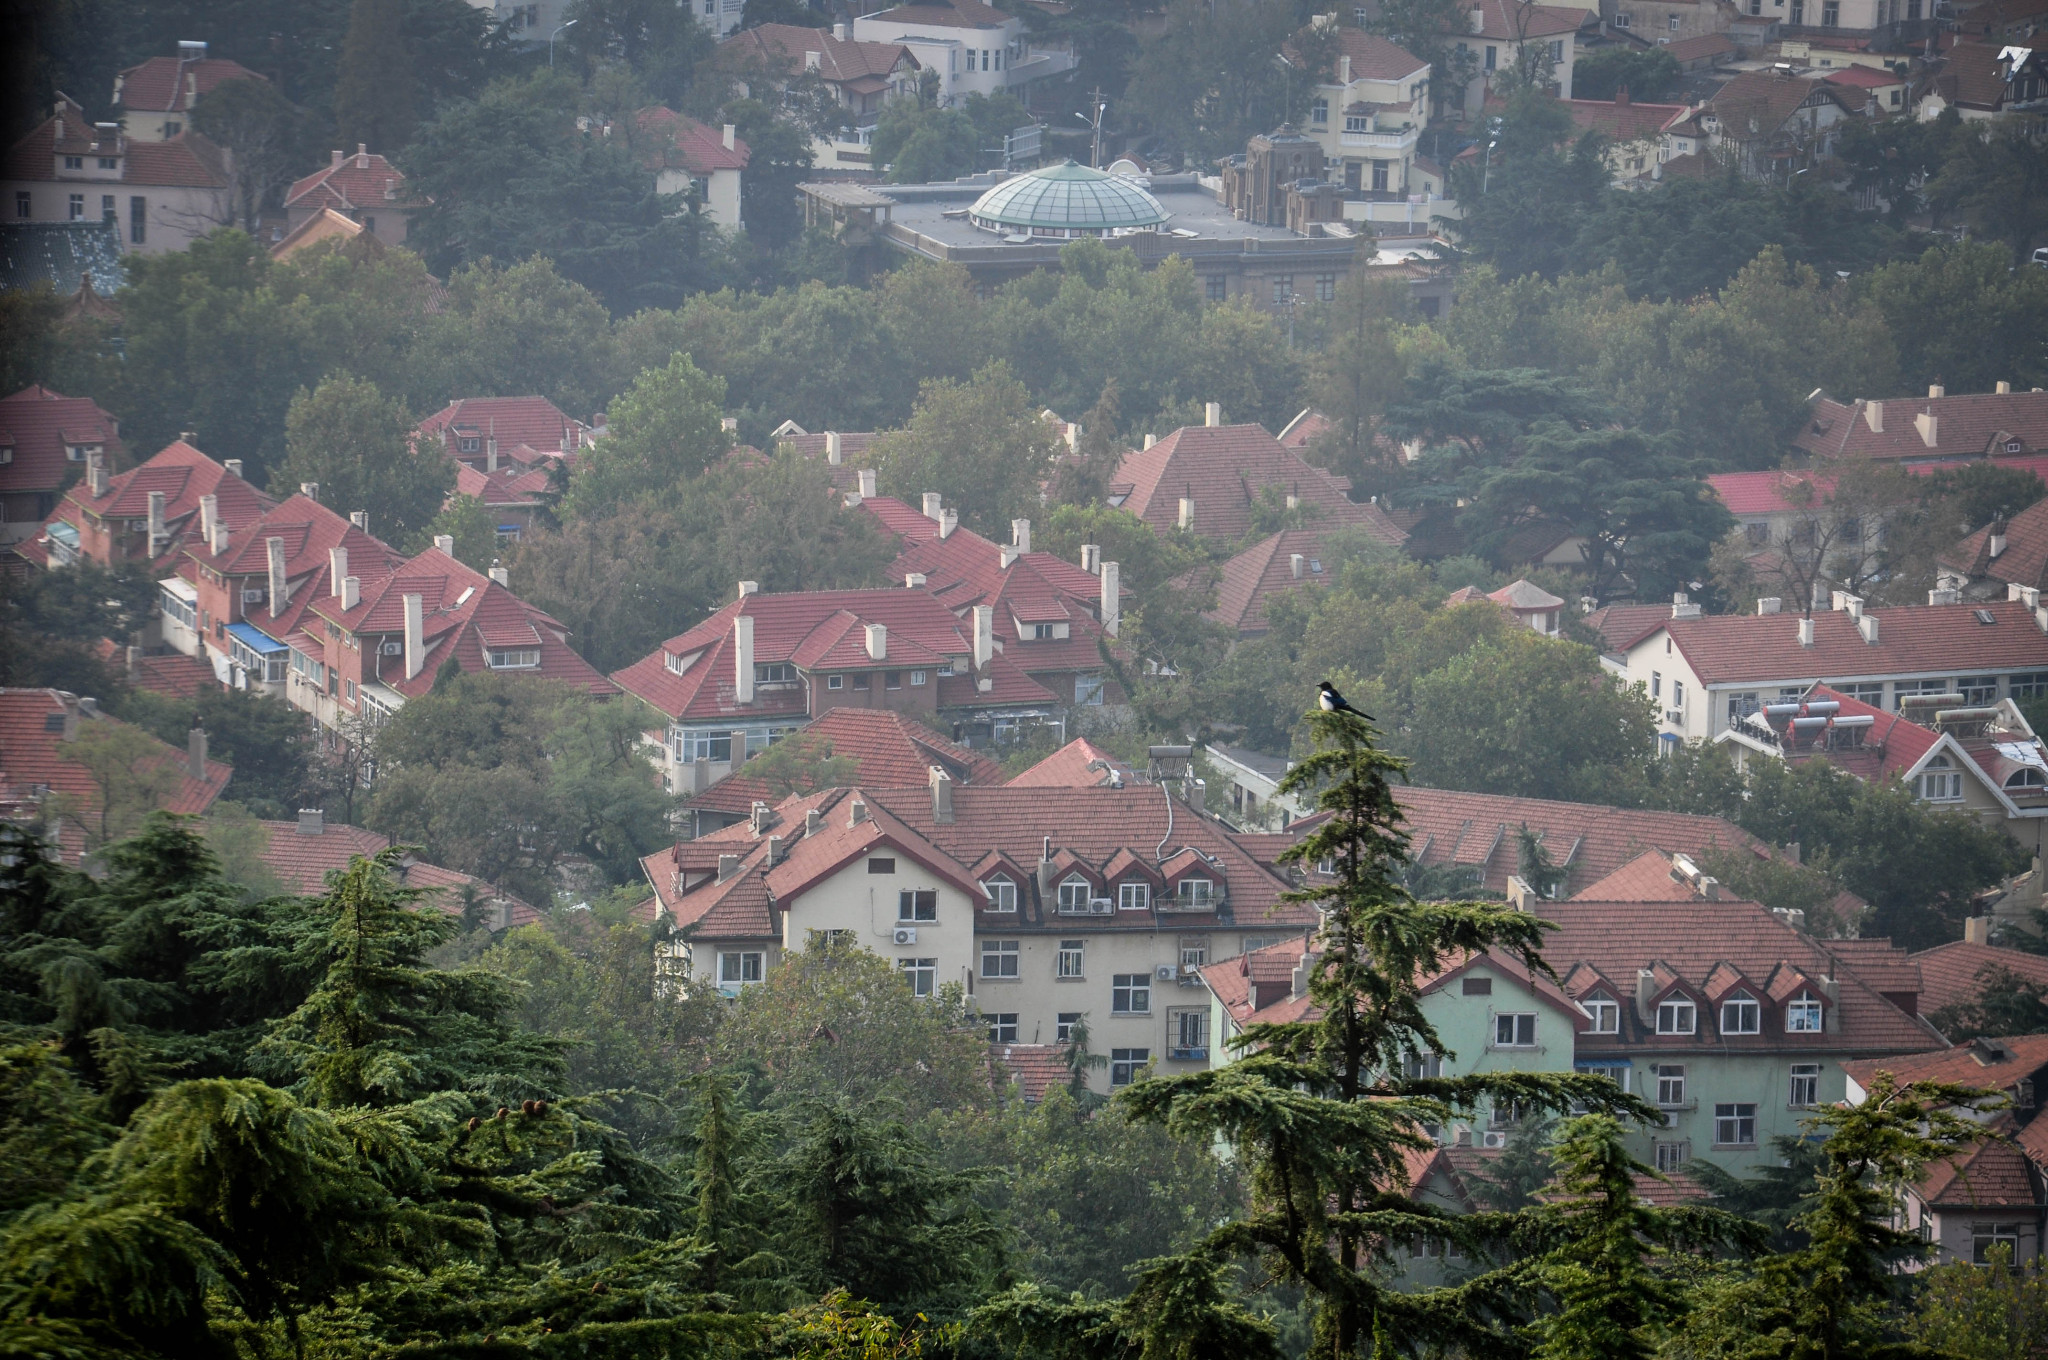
{"x": 1134, "y": 896}
{"x": 1195, "y": 892}
{"x": 1071, "y": 963}
{"x": 1606, "y": 1015}
{"x": 998, "y": 1023}
{"x": 741, "y": 967}
{"x": 1673, "y": 1155}
{"x": 1006, "y": 956}
{"x": 1729, "y": 1119}
{"x": 1074, "y": 894}
{"x": 918, "y": 906}
{"x": 1002, "y": 893}
{"x": 1674, "y": 1010}
{"x": 1805, "y": 1082}
{"x": 1519, "y": 1027}
{"x": 1984, "y": 1236}
{"x": 512, "y": 658}
{"x": 1670, "y": 1082}
{"x": 921, "y": 974}
{"x": 1130, "y": 994}
{"x": 1063, "y": 1026}
{"x": 1746, "y": 1012}
{"x": 1805, "y": 1014}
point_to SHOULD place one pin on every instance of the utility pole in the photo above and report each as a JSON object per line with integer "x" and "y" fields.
{"x": 1099, "y": 104}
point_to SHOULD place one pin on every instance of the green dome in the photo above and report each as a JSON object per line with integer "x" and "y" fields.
{"x": 1067, "y": 200}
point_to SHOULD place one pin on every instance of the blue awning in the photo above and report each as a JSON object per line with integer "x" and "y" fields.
{"x": 256, "y": 640}
{"x": 1586, "y": 1064}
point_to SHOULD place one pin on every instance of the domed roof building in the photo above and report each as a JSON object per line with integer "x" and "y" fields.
{"x": 1067, "y": 200}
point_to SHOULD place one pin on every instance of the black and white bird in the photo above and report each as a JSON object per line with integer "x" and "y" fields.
{"x": 1333, "y": 702}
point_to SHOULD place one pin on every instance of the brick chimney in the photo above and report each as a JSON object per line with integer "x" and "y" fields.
{"x": 1621, "y": 96}
{"x": 280, "y": 591}
{"x": 743, "y": 658}
{"x": 415, "y": 634}
{"x": 1111, "y": 604}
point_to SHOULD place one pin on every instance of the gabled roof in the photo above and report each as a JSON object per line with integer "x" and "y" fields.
{"x": 173, "y": 84}
{"x": 1864, "y": 77}
{"x": 309, "y": 530}
{"x": 361, "y": 183}
{"x": 1621, "y": 626}
{"x": 1250, "y": 580}
{"x": 1995, "y": 1064}
{"x": 324, "y": 225}
{"x": 681, "y": 143}
{"x": 1991, "y": 1174}
{"x": 1954, "y": 974}
{"x": 302, "y": 862}
{"x": 1756, "y": 104}
{"x": 184, "y": 475}
{"x": 1704, "y": 45}
{"x": 187, "y": 160}
{"x": 533, "y": 421}
{"x": 942, "y": 14}
{"x": 1372, "y": 57}
{"x": 786, "y": 48}
{"x": 1649, "y": 877}
{"x": 37, "y": 424}
{"x": 1768, "y": 493}
{"x": 2024, "y": 560}
{"x": 1963, "y": 426}
{"x": 1622, "y": 119}
{"x": 510, "y": 487}
{"x": 890, "y": 749}
{"x": 1916, "y": 640}
{"x": 1513, "y": 22}
{"x": 1072, "y": 767}
{"x": 1224, "y": 467}
{"x": 32, "y": 723}
{"x": 1035, "y": 1068}
{"x": 853, "y": 445}
{"x": 170, "y": 673}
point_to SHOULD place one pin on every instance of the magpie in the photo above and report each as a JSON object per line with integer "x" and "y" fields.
{"x": 1333, "y": 702}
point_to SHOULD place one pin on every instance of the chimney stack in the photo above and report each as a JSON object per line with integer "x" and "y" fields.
{"x": 490, "y": 455}
{"x": 195, "y": 753}
{"x": 743, "y": 658}
{"x": 209, "y": 511}
{"x": 1935, "y": 391}
{"x": 1977, "y": 930}
{"x": 1091, "y": 558}
{"x": 814, "y": 822}
{"x": 96, "y": 474}
{"x": 361, "y": 519}
{"x": 1867, "y": 625}
{"x": 362, "y": 155}
{"x": 933, "y": 504}
{"x": 351, "y": 592}
{"x": 337, "y": 569}
{"x": 219, "y": 543}
{"x": 445, "y": 544}
{"x": 1929, "y": 426}
{"x": 280, "y": 595}
{"x": 1806, "y": 632}
{"x": 731, "y": 135}
{"x": 942, "y": 796}
{"x": 833, "y": 454}
{"x": 415, "y": 634}
{"x": 310, "y": 490}
{"x": 878, "y": 641}
{"x": 1006, "y": 553}
{"x": 949, "y": 520}
{"x": 1187, "y": 511}
{"x": 2005, "y": 389}
{"x": 856, "y": 812}
{"x": 1344, "y": 70}
{"x": 1150, "y": 440}
{"x": 158, "y": 533}
{"x": 1212, "y": 413}
{"x": 1111, "y": 604}
{"x": 1873, "y": 416}
{"x": 749, "y": 588}
{"x": 984, "y": 634}
{"x": 914, "y": 580}
{"x": 1020, "y": 534}
{"x": 1295, "y": 563}
{"x": 1770, "y": 604}
{"x": 502, "y": 575}
{"x": 1997, "y": 537}
{"x": 775, "y": 851}
{"x": 134, "y": 662}
{"x": 233, "y": 465}
{"x": 338, "y": 157}
{"x": 866, "y": 481}
{"x": 312, "y": 822}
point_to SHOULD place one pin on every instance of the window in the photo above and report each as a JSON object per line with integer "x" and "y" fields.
{"x": 861, "y": 681}
{"x": 739, "y": 968}
{"x": 1735, "y": 1126}
{"x": 1041, "y": 632}
{"x": 1070, "y": 962}
{"x": 512, "y": 658}
{"x": 1672, "y": 1156}
{"x": 24, "y": 203}
{"x": 1215, "y": 286}
{"x": 1188, "y": 1035}
{"x": 1126, "y": 1065}
{"x": 2028, "y": 685}
{"x": 1623, "y": 19}
{"x": 1088, "y": 690}
{"x": 1002, "y": 1027}
{"x": 172, "y": 127}
{"x": 921, "y": 904}
{"x": 1606, "y": 1016}
{"x": 78, "y": 207}
{"x": 1358, "y": 122}
{"x": 1670, "y": 1084}
{"x": 774, "y": 673}
{"x": 1656, "y": 684}
{"x": 892, "y": 679}
{"x": 469, "y": 443}
{"x": 1678, "y": 694}
{"x": 1283, "y": 289}
{"x": 1987, "y": 1237}
{"x": 138, "y": 220}
{"x": 74, "y": 162}
{"x": 1196, "y": 892}
{"x": 1869, "y": 692}
{"x": 921, "y": 974}
{"x": 1977, "y": 690}
{"x": 1476, "y": 986}
{"x": 1074, "y": 894}
{"x": 1740, "y": 706}
{"x": 1416, "y": 1066}
{"x": 1326, "y": 284}
{"x": 1514, "y": 1031}
{"x": 1380, "y": 184}
{"x": 1133, "y": 896}
{"x": 1805, "y": 1090}
{"x": 1803, "y": 1015}
{"x": 1194, "y": 952}
{"x": 2032, "y": 777}
{"x": 110, "y": 162}
{"x": 1740, "y": 1014}
{"x": 999, "y": 958}
{"x": 1492, "y": 57}
{"x": 1002, "y": 894}
{"x": 107, "y": 213}
{"x": 1130, "y": 994}
{"x": 1831, "y": 13}
{"x": 918, "y": 677}
{"x": 1063, "y": 1032}
{"x": 1557, "y": 51}
{"x": 1319, "y": 111}
{"x": 1674, "y": 1017}
{"x": 1674, "y": 23}
{"x": 835, "y": 682}
{"x": 881, "y": 865}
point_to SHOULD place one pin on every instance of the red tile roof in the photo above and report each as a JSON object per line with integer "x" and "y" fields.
{"x": 1224, "y": 467}
{"x": 1035, "y": 1068}
{"x": 1622, "y": 119}
{"x": 510, "y": 487}
{"x": 32, "y": 723}
{"x": 36, "y": 424}
{"x": 2024, "y": 560}
{"x": 1649, "y": 877}
{"x": 1756, "y": 104}
{"x": 1621, "y": 626}
{"x": 534, "y": 422}
{"x": 950, "y": 14}
{"x": 892, "y": 750}
{"x": 310, "y": 531}
{"x": 184, "y": 475}
{"x": 1070, "y": 768}
{"x": 348, "y": 184}
{"x": 171, "y": 84}
{"x": 1704, "y": 45}
{"x": 1768, "y": 493}
{"x": 681, "y": 143}
{"x": 1911, "y": 640}
{"x": 1953, "y": 974}
{"x": 1301, "y": 431}
{"x": 1514, "y": 22}
{"x": 1865, "y": 77}
{"x": 786, "y": 48}
{"x": 302, "y": 861}
{"x": 171, "y": 673}
{"x": 853, "y": 445}
{"x": 1964, "y": 427}
{"x": 1993, "y": 1173}
{"x": 1253, "y": 577}
{"x": 1372, "y": 57}
{"x": 1978, "y": 1063}
{"x": 187, "y": 160}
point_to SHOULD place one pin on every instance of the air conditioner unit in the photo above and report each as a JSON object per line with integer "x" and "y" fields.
{"x": 1166, "y": 972}
{"x": 252, "y": 597}
{"x": 1100, "y": 906}
{"x": 1675, "y": 716}
{"x": 393, "y": 649}
{"x": 1494, "y": 1140}
{"x": 906, "y": 935}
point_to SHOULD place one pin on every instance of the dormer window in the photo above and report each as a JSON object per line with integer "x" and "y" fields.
{"x": 513, "y": 658}
{"x": 2032, "y": 777}
{"x": 1041, "y": 632}
{"x": 1740, "y": 1014}
{"x": 1196, "y": 892}
{"x": 1133, "y": 896}
{"x": 1941, "y": 781}
{"x": 1803, "y": 1014}
{"x": 775, "y": 673}
{"x": 1074, "y": 894}
{"x": 74, "y": 162}
{"x": 1606, "y": 1015}
{"x": 1676, "y": 1016}
{"x": 469, "y": 443}
{"x": 1002, "y": 893}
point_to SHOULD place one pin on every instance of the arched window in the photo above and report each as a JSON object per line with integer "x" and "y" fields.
{"x": 2032, "y": 777}
{"x": 1074, "y": 894}
{"x": 1941, "y": 781}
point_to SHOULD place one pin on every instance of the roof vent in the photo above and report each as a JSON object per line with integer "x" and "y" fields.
{"x": 312, "y": 821}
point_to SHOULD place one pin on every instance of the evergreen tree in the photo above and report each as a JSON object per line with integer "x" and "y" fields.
{"x": 375, "y": 95}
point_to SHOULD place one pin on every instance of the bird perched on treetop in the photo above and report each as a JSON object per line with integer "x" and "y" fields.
{"x": 1333, "y": 702}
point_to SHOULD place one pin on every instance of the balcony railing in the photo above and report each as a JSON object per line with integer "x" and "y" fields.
{"x": 1381, "y": 141}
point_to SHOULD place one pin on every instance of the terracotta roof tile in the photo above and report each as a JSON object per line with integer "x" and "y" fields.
{"x": 184, "y": 475}
{"x": 534, "y": 422}
{"x": 1251, "y": 579}
{"x": 1756, "y": 104}
{"x": 363, "y": 182}
{"x": 1035, "y": 1068}
{"x": 1372, "y": 57}
{"x": 685, "y": 144}
{"x": 1069, "y": 768}
{"x": 2024, "y": 560}
{"x": 1963, "y": 426}
{"x": 952, "y": 14}
{"x": 1622, "y": 121}
{"x": 303, "y": 861}
{"x": 172, "y": 673}
{"x": 787, "y": 47}
{"x": 1994, "y": 1173}
{"x": 172, "y": 84}
{"x": 1912, "y": 640}
{"x": 1971, "y": 1064}
{"x": 1224, "y": 467}
{"x": 36, "y": 424}
{"x": 891, "y": 749}
{"x": 1953, "y": 974}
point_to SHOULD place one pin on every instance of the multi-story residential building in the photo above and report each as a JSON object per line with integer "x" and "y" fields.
{"x": 1368, "y": 112}
{"x": 1047, "y": 907}
{"x": 1774, "y": 123}
{"x": 155, "y": 99}
{"x": 1983, "y": 80}
{"x": 1636, "y": 133}
{"x": 1939, "y": 429}
{"x": 513, "y": 495}
{"x": 147, "y": 514}
{"x": 164, "y": 194}
{"x": 1207, "y": 479}
{"x": 1502, "y": 31}
{"x": 1052, "y": 617}
{"x": 860, "y": 76}
{"x": 690, "y": 158}
{"x": 972, "y": 48}
{"x": 45, "y": 440}
{"x": 1706, "y": 673}
{"x": 840, "y": 450}
{"x": 1994, "y": 1195}
{"x": 766, "y": 665}
{"x": 485, "y": 432}
{"x": 1666, "y": 22}
{"x": 365, "y": 188}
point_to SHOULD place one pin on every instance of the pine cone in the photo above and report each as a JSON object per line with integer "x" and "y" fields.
{"x": 472, "y": 1124}
{"x": 501, "y": 1112}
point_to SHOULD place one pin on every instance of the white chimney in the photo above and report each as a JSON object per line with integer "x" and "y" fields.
{"x": 1344, "y": 70}
{"x": 502, "y": 575}
{"x": 1111, "y": 602}
{"x": 1295, "y": 563}
{"x": 878, "y": 641}
{"x": 933, "y": 504}
{"x": 2030, "y": 596}
{"x": 914, "y": 580}
{"x": 856, "y": 812}
{"x": 310, "y": 490}
{"x": 1006, "y": 554}
{"x": 1936, "y": 390}
{"x": 279, "y": 593}
{"x": 731, "y": 135}
{"x": 949, "y": 520}
{"x": 209, "y": 511}
{"x": 1478, "y": 21}
{"x": 942, "y": 796}
{"x": 1867, "y": 625}
{"x": 1997, "y": 542}
{"x": 866, "y": 481}
{"x": 490, "y": 455}
{"x": 749, "y": 588}
{"x": 361, "y": 519}
{"x": 351, "y": 592}
{"x": 1187, "y": 512}
{"x": 1073, "y": 437}
{"x": 1852, "y": 605}
{"x": 2041, "y": 617}
{"x": 337, "y": 569}
{"x": 362, "y": 155}
{"x": 1806, "y": 632}
{"x": 1020, "y": 534}
{"x": 157, "y": 532}
{"x": 415, "y": 634}
{"x": 984, "y": 634}
{"x": 96, "y": 474}
{"x": 1873, "y": 416}
{"x": 233, "y": 465}
{"x": 1091, "y": 558}
{"x": 842, "y": 31}
{"x": 1929, "y": 426}
{"x": 220, "y": 538}
{"x": 2004, "y": 389}
{"x": 338, "y": 157}
{"x": 743, "y": 658}
{"x": 1212, "y": 413}
{"x": 1942, "y": 595}
{"x": 832, "y": 448}
{"x": 195, "y": 753}
{"x": 445, "y": 544}
{"x": 1150, "y": 440}
{"x": 1770, "y": 604}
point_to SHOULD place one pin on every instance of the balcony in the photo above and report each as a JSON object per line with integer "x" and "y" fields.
{"x": 1189, "y": 1054}
{"x": 1386, "y": 143}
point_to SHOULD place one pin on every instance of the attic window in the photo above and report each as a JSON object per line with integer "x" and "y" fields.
{"x": 1984, "y": 616}
{"x": 2012, "y": 446}
{"x": 1803, "y": 1015}
{"x": 53, "y": 722}
{"x": 1477, "y": 986}
{"x": 469, "y": 444}
{"x": 512, "y": 658}
{"x": 1675, "y": 1017}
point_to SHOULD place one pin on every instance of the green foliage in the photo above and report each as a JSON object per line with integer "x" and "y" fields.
{"x": 920, "y": 145}
{"x": 52, "y": 621}
{"x": 664, "y": 430}
{"x": 374, "y": 88}
{"x": 981, "y": 444}
{"x": 1209, "y": 77}
{"x": 1647, "y": 74}
{"x": 1996, "y": 1311}
{"x": 468, "y": 521}
{"x": 802, "y": 763}
{"x": 357, "y": 445}
{"x": 1964, "y": 317}
{"x": 2005, "y": 1002}
{"x": 261, "y": 736}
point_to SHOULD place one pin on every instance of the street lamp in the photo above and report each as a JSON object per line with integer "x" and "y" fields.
{"x": 1486, "y": 175}
{"x": 1101, "y": 106}
{"x": 554, "y": 35}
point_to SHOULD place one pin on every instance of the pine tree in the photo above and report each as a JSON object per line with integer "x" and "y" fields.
{"x": 376, "y": 99}
{"x": 1318, "y": 1109}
